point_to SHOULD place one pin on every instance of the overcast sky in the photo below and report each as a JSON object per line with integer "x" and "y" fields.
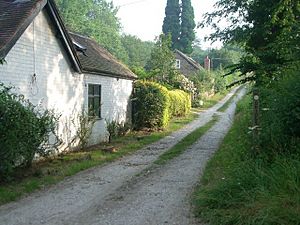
{"x": 144, "y": 18}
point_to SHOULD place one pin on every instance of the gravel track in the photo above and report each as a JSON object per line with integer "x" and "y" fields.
{"x": 129, "y": 190}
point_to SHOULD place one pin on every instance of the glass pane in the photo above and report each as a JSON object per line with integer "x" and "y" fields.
{"x": 90, "y": 87}
{"x": 97, "y": 105}
{"x": 91, "y": 106}
{"x": 96, "y": 90}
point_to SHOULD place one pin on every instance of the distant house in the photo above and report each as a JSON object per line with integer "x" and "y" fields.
{"x": 185, "y": 64}
{"x": 63, "y": 71}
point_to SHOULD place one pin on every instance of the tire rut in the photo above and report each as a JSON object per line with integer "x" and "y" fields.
{"x": 114, "y": 194}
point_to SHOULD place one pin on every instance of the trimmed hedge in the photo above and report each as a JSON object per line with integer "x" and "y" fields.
{"x": 180, "y": 103}
{"x": 151, "y": 103}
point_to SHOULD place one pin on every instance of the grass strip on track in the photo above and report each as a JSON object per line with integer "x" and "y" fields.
{"x": 187, "y": 141}
{"x": 53, "y": 170}
{"x": 225, "y": 106}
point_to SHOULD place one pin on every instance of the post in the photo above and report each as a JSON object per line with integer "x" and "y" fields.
{"x": 255, "y": 120}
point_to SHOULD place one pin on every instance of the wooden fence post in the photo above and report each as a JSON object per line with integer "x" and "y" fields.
{"x": 255, "y": 120}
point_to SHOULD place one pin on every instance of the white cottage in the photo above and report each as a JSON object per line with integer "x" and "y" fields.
{"x": 63, "y": 71}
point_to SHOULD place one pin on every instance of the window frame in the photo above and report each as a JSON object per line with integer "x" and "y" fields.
{"x": 93, "y": 94}
{"x": 177, "y": 63}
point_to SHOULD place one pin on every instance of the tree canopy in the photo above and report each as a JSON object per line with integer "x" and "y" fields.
{"x": 96, "y": 19}
{"x": 268, "y": 31}
{"x": 171, "y": 24}
{"x": 187, "y": 34}
{"x": 138, "y": 51}
{"x": 179, "y": 23}
{"x": 161, "y": 63}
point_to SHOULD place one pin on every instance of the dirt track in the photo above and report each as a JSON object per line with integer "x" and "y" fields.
{"x": 127, "y": 191}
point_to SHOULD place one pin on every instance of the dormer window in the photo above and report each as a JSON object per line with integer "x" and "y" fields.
{"x": 79, "y": 47}
{"x": 177, "y": 64}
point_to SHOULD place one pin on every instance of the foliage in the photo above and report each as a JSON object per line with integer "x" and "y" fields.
{"x": 237, "y": 188}
{"x": 280, "y": 116}
{"x": 25, "y": 130}
{"x": 221, "y": 58}
{"x": 151, "y": 104}
{"x": 266, "y": 29}
{"x": 204, "y": 82}
{"x": 161, "y": 64}
{"x": 187, "y": 33}
{"x": 2, "y": 61}
{"x": 141, "y": 72}
{"x": 171, "y": 24}
{"x": 117, "y": 129}
{"x": 96, "y": 19}
{"x": 183, "y": 83}
{"x": 180, "y": 103}
{"x": 179, "y": 23}
{"x": 138, "y": 51}
{"x": 84, "y": 130}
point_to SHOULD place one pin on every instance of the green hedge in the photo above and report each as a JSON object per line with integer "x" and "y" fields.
{"x": 180, "y": 103}
{"x": 24, "y": 131}
{"x": 154, "y": 105}
{"x": 151, "y": 104}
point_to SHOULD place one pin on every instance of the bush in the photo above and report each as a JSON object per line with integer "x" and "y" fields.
{"x": 180, "y": 103}
{"x": 117, "y": 129}
{"x": 280, "y": 115}
{"x": 24, "y": 131}
{"x": 151, "y": 104}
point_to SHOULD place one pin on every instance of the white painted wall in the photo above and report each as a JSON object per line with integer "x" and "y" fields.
{"x": 115, "y": 94}
{"x": 56, "y": 86}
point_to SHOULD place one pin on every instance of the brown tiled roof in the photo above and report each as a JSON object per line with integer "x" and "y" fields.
{"x": 15, "y": 17}
{"x": 96, "y": 59}
{"x": 189, "y": 60}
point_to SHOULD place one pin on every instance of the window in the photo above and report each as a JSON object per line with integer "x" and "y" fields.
{"x": 177, "y": 64}
{"x": 94, "y": 100}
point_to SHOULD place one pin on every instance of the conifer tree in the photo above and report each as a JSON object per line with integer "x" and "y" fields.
{"x": 187, "y": 34}
{"x": 171, "y": 24}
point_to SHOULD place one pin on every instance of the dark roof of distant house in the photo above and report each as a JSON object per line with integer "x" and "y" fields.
{"x": 189, "y": 60}
{"x": 96, "y": 59}
{"x": 17, "y": 15}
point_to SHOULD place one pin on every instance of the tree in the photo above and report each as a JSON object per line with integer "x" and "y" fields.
{"x": 96, "y": 19}
{"x": 138, "y": 51}
{"x": 171, "y": 24}
{"x": 161, "y": 64}
{"x": 268, "y": 31}
{"x": 187, "y": 34}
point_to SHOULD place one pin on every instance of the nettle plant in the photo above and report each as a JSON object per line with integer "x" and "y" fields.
{"x": 25, "y": 131}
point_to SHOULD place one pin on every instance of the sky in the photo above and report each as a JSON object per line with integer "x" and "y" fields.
{"x": 144, "y": 18}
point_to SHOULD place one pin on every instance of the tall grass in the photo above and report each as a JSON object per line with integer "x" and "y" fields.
{"x": 237, "y": 188}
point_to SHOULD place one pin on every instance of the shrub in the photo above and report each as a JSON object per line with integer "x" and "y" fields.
{"x": 280, "y": 114}
{"x": 180, "y": 103}
{"x": 117, "y": 129}
{"x": 24, "y": 131}
{"x": 151, "y": 104}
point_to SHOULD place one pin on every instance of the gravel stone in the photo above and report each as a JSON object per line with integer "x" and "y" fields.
{"x": 129, "y": 191}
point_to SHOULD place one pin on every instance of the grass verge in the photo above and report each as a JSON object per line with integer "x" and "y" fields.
{"x": 187, "y": 141}
{"x": 211, "y": 101}
{"x": 237, "y": 188}
{"x": 53, "y": 170}
{"x": 225, "y": 106}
